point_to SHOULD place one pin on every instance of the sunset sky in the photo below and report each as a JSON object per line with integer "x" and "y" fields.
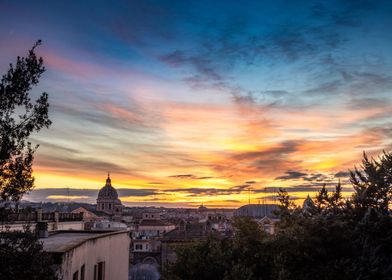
{"x": 190, "y": 102}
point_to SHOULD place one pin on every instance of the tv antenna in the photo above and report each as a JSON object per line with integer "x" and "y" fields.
{"x": 249, "y": 190}
{"x": 67, "y": 194}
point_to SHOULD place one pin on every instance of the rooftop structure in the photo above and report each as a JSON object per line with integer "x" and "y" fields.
{"x": 202, "y": 208}
{"x": 257, "y": 211}
{"x": 109, "y": 225}
{"x": 54, "y": 220}
{"x": 89, "y": 254}
{"x": 262, "y": 213}
{"x": 308, "y": 204}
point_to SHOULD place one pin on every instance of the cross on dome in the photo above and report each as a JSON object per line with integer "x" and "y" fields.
{"x": 108, "y": 180}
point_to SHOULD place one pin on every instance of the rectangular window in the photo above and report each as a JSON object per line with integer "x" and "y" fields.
{"x": 101, "y": 271}
{"x": 76, "y": 275}
{"x": 82, "y": 272}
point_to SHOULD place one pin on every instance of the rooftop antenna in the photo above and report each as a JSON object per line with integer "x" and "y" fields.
{"x": 275, "y": 194}
{"x": 249, "y": 189}
{"x": 68, "y": 194}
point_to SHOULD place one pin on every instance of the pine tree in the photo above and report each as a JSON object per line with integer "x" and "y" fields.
{"x": 373, "y": 183}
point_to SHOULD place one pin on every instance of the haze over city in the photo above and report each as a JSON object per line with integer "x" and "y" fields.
{"x": 204, "y": 103}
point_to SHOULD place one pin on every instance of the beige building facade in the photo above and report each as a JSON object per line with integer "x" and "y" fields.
{"x": 81, "y": 255}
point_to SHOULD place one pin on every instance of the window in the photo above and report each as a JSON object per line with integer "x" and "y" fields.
{"x": 103, "y": 206}
{"x": 75, "y": 275}
{"x": 99, "y": 271}
{"x": 82, "y": 272}
{"x": 110, "y": 206}
{"x": 138, "y": 246}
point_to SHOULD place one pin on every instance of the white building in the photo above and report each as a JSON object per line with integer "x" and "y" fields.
{"x": 82, "y": 255}
{"x": 109, "y": 225}
{"x": 146, "y": 245}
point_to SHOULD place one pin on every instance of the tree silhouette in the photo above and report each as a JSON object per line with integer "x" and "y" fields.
{"x": 22, "y": 257}
{"x": 373, "y": 183}
{"x": 337, "y": 239}
{"x": 19, "y": 117}
{"x": 21, "y": 253}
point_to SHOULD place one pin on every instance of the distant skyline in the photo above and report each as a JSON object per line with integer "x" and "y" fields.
{"x": 190, "y": 102}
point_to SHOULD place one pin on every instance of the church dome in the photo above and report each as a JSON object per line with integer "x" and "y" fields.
{"x": 256, "y": 211}
{"x": 108, "y": 191}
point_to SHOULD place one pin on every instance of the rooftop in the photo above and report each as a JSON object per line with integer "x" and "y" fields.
{"x": 63, "y": 241}
{"x": 257, "y": 211}
{"x": 146, "y": 222}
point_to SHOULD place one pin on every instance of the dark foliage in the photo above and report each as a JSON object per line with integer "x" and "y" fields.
{"x": 333, "y": 239}
{"x": 21, "y": 254}
{"x": 19, "y": 117}
{"x": 242, "y": 257}
{"x": 22, "y": 257}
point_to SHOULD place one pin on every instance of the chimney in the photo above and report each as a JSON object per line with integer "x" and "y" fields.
{"x": 56, "y": 220}
{"x": 42, "y": 229}
{"x": 39, "y": 214}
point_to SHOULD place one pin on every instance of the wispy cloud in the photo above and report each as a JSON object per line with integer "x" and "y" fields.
{"x": 211, "y": 191}
{"x": 292, "y": 175}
